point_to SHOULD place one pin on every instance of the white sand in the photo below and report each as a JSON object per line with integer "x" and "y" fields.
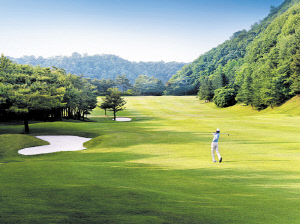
{"x": 123, "y": 119}
{"x": 57, "y": 144}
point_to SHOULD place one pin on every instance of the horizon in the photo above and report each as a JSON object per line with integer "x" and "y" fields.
{"x": 169, "y": 31}
{"x": 89, "y": 55}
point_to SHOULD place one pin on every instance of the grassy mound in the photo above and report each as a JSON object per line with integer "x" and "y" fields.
{"x": 291, "y": 107}
{"x": 11, "y": 143}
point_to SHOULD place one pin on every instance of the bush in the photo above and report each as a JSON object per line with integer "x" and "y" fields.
{"x": 224, "y": 97}
{"x": 127, "y": 93}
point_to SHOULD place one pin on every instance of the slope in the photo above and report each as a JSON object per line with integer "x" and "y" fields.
{"x": 220, "y": 64}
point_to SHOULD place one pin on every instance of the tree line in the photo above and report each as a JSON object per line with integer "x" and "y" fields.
{"x": 143, "y": 85}
{"x": 39, "y": 93}
{"x": 105, "y": 66}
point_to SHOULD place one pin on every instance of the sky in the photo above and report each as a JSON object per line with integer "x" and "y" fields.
{"x": 136, "y": 30}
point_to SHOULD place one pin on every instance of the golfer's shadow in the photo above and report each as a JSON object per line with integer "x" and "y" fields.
{"x": 230, "y": 161}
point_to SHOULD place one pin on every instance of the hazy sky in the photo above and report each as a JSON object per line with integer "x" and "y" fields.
{"x": 136, "y": 30}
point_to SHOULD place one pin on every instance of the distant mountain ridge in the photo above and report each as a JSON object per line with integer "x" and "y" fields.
{"x": 105, "y": 66}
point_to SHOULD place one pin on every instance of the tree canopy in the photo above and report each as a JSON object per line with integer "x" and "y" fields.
{"x": 28, "y": 92}
{"x": 113, "y": 102}
{"x": 148, "y": 86}
{"x": 105, "y": 66}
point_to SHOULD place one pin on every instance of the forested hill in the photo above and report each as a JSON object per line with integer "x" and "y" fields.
{"x": 220, "y": 66}
{"x": 105, "y": 66}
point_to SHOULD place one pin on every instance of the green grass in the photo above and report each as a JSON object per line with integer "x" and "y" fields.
{"x": 158, "y": 168}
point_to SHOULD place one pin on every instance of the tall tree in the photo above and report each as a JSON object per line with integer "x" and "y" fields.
{"x": 123, "y": 82}
{"x": 114, "y": 102}
{"x": 295, "y": 77}
{"x": 105, "y": 105}
{"x": 37, "y": 93}
{"x": 206, "y": 91}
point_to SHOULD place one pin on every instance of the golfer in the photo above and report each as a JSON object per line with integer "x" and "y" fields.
{"x": 214, "y": 146}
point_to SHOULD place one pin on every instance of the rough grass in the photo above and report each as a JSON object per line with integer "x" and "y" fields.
{"x": 158, "y": 168}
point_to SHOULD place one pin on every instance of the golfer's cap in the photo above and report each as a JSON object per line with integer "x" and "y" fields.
{"x": 218, "y": 129}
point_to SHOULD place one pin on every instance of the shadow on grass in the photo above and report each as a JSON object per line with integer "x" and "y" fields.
{"x": 124, "y": 137}
{"x": 65, "y": 127}
{"x": 109, "y": 119}
{"x": 91, "y": 157}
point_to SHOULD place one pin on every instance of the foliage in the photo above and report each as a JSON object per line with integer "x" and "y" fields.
{"x": 224, "y": 97}
{"x": 180, "y": 86}
{"x": 105, "y": 105}
{"x": 123, "y": 82}
{"x": 28, "y": 92}
{"x": 102, "y": 85}
{"x": 261, "y": 62}
{"x": 113, "y": 102}
{"x": 206, "y": 91}
{"x": 146, "y": 86}
{"x": 271, "y": 67}
{"x": 295, "y": 74}
{"x": 105, "y": 66}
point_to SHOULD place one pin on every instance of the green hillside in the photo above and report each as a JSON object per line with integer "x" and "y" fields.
{"x": 271, "y": 71}
{"x": 246, "y": 56}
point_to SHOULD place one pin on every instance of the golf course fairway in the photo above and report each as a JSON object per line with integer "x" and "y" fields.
{"x": 157, "y": 168}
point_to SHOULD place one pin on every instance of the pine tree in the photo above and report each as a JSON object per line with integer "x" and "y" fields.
{"x": 114, "y": 102}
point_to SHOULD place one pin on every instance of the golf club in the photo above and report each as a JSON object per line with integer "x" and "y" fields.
{"x": 225, "y": 133}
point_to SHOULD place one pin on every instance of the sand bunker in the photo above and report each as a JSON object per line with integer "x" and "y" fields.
{"x": 57, "y": 144}
{"x": 123, "y": 119}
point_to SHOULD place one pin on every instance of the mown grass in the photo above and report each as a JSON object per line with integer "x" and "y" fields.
{"x": 158, "y": 168}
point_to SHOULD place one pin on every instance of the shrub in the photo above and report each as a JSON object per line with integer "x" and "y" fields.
{"x": 224, "y": 97}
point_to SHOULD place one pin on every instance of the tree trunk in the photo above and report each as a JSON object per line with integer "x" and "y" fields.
{"x": 78, "y": 114}
{"x": 114, "y": 114}
{"x": 26, "y": 131}
{"x": 69, "y": 112}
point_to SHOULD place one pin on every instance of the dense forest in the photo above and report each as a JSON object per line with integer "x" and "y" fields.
{"x": 105, "y": 66}
{"x": 259, "y": 67}
{"x": 32, "y": 92}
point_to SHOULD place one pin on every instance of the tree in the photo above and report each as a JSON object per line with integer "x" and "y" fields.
{"x": 87, "y": 99}
{"x": 35, "y": 96}
{"x": 80, "y": 96}
{"x": 123, "y": 82}
{"x": 206, "y": 91}
{"x": 28, "y": 92}
{"x": 103, "y": 85}
{"x": 295, "y": 77}
{"x": 114, "y": 102}
{"x": 181, "y": 86}
{"x": 224, "y": 97}
{"x": 105, "y": 105}
{"x": 148, "y": 86}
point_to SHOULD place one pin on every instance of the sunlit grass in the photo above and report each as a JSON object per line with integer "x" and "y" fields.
{"x": 158, "y": 167}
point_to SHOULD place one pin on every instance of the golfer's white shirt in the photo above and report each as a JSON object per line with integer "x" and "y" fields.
{"x": 216, "y": 137}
